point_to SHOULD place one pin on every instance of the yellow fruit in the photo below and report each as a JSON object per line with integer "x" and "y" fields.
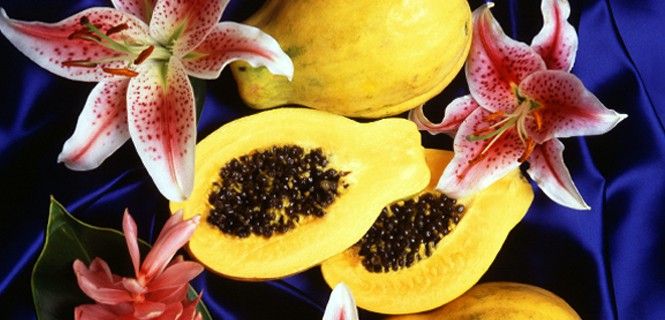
{"x": 381, "y": 161}
{"x": 458, "y": 261}
{"x": 359, "y": 58}
{"x": 501, "y": 301}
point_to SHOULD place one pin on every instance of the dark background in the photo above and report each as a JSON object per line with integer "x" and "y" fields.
{"x": 608, "y": 263}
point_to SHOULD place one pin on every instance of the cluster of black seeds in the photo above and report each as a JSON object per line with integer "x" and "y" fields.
{"x": 267, "y": 192}
{"x": 408, "y": 231}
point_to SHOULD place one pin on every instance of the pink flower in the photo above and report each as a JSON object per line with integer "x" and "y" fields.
{"x": 159, "y": 290}
{"x": 141, "y": 55}
{"x": 523, "y": 98}
{"x": 341, "y": 305}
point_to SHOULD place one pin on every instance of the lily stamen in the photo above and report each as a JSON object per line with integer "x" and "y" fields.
{"x": 538, "y": 118}
{"x": 529, "y": 145}
{"x": 116, "y": 29}
{"x": 104, "y": 39}
{"x": 83, "y": 34}
{"x": 144, "y": 55}
{"x": 121, "y": 72}
{"x": 79, "y": 63}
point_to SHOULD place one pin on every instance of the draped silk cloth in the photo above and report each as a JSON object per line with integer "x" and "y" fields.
{"x": 607, "y": 263}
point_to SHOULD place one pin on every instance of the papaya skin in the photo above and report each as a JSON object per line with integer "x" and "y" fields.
{"x": 458, "y": 261}
{"x": 366, "y": 59}
{"x": 366, "y": 150}
{"x": 499, "y": 301}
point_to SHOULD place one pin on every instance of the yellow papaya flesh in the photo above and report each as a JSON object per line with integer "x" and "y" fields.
{"x": 382, "y": 161}
{"x": 458, "y": 261}
{"x": 359, "y": 58}
{"x": 499, "y": 301}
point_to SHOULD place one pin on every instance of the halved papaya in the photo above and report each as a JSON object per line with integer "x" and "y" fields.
{"x": 282, "y": 190}
{"x": 468, "y": 245}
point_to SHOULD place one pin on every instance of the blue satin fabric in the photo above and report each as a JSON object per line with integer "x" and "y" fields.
{"x": 608, "y": 263}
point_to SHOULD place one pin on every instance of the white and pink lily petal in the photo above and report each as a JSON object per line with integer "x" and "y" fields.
{"x": 523, "y": 107}
{"x": 231, "y": 41}
{"x": 92, "y": 45}
{"x": 142, "y": 54}
{"x": 458, "y": 110}
{"x": 341, "y": 305}
{"x": 556, "y": 43}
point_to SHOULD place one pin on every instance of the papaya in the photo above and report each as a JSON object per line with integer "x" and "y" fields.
{"x": 436, "y": 269}
{"x": 282, "y": 190}
{"x": 366, "y": 59}
{"x": 499, "y": 301}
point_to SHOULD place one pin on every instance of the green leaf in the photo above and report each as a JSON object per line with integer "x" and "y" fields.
{"x": 54, "y": 288}
{"x": 199, "y": 87}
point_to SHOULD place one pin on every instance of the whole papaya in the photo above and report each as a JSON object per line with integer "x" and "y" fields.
{"x": 364, "y": 58}
{"x": 499, "y": 301}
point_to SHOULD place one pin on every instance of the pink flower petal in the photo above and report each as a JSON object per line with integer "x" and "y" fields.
{"x": 171, "y": 222}
{"x": 184, "y": 23}
{"x": 230, "y": 41}
{"x": 550, "y": 173}
{"x": 47, "y": 44}
{"x": 162, "y": 125}
{"x": 101, "y": 128}
{"x": 96, "y": 285}
{"x": 189, "y": 311}
{"x": 166, "y": 246}
{"x": 567, "y": 108}
{"x": 471, "y": 170}
{"x": 176, "y": 275}
{"x": 172, "y": 311}
{"x": 131, "y": 238}
{"x": 557, "y": 40}
{"x": 133, "y": 286}
{"x": 497, "y": 63}
{"x": 148, "y": 310}
{"x": 458, "y": 110}
{"x": 341, "y": 305}
{"x": 169, "y": 295}
{"x": 94, "y": 312}
{"x": 140, "y": 8}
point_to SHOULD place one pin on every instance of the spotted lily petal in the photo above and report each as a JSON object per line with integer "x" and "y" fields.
{"x": 183, "y": 24}
{"x": 53, "y": 46}
{"x": 140, "y": 8}
{"x": 479, "y": 163}
{"x": 94, "y": 282}
{"x": 557, "y": 40}
{"x": 497, "y": 63}
{"x": 566, "y": 107}
{"x": 101, "y": 128}
{"x": 162, "y": 125}
{"x": 166, "y": 246}
{"x": 230, "y": 41}
{"x": 458, "y": 110}
{"x": 547, "y": 169}
{"x": 341, "y": 305}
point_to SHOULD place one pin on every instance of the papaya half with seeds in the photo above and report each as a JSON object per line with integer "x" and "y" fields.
{"x": 365, "y": 59}
{"x": 444, "y": 267}
{"x": 499, "y": 301}
{"x": 284, "y": 189}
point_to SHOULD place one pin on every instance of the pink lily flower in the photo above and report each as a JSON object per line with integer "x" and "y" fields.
{"x": 159, "y": 288}
{"x": 141, "y": 54}
{"x": 341, "y": 305}
{"x": 522, "y": 99}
